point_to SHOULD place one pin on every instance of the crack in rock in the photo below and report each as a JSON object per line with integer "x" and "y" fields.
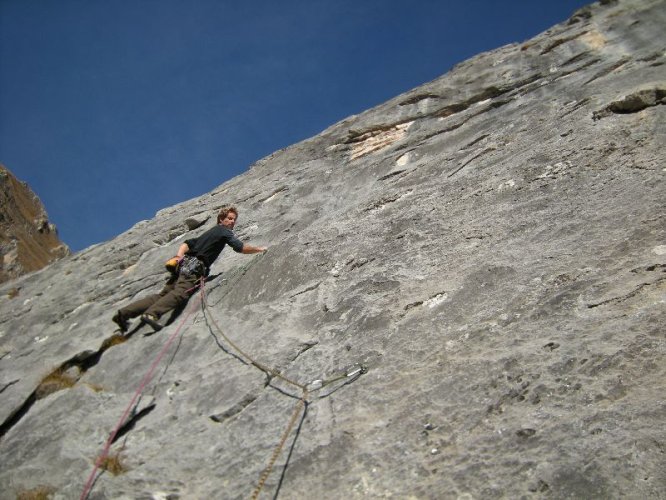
{"x": 418, "y": 98}
{"x": 306, "y": 290}
{"x": 556, "y": 43}
{"x": 131, "y": 422}
{"x": 235, "y": 409}
{"x": 63, "y": 377}
{"x": 627, "y": 296}
{"x": 633, "y": 103}
{"x": 609, "y": 69}
{"x": 8, "y": 384}
{"x": 273, "y": 194}
{"x": 381, "y": 203}
{"x": 391, "y": 174}
{"x": 15, "y": 417}
{"x": 376, "y": 139}
{"x": 484, "y": 152}
{"x": 431, "y": 302}
{"x": 304, "y": 347}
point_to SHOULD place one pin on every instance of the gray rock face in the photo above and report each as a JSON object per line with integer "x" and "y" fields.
{"x": 478, "y": 268}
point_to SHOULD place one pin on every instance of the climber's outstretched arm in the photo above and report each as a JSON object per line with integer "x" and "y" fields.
{"x": 247, "y": 248}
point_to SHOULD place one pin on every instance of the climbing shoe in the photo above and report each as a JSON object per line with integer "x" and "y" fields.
{"x": 120, "y": 320}
{"x": 152, "y": 321}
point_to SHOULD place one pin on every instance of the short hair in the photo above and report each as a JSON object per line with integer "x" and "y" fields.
{"x": 224, "y": 211}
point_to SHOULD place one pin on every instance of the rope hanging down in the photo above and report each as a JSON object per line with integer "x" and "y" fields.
{"x": 297, "y": 410}
{"x": 144, "y": 382}
{"x": 349, "y": 375}
{"x": 278, "y": 449}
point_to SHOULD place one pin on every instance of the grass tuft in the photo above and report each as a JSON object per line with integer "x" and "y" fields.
{"x": 113, "y": 340}
{"x": 55, "y": 381}
{"x": 113, "y": 464}
{"x": 38, "y": 493}
{"x": 94, "y": 387}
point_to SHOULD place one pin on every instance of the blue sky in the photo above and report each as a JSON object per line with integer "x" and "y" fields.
{"x": 114, "y": 109}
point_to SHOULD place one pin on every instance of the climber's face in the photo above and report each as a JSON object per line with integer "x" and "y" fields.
{"x": 229, "y": 221}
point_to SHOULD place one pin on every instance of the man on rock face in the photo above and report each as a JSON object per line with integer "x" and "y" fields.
{"x": 192, "y": 262}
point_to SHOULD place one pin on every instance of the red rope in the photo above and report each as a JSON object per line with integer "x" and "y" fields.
{"x": 144, "y": 382}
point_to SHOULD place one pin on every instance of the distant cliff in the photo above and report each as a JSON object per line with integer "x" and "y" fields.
{"x": 28, "y": 241}
{"x": 469, "y": 280}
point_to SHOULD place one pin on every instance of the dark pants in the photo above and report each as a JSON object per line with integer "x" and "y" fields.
{"x": 173, "y": 295}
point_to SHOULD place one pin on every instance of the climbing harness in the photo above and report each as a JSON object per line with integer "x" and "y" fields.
{"x": 191, "y": 266}
{"x": 347, "y": 376}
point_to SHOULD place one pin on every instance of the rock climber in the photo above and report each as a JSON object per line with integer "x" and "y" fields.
{"x": 192, "y": 261}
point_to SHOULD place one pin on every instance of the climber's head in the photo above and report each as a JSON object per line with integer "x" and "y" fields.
{"x": 227, "y": 217}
